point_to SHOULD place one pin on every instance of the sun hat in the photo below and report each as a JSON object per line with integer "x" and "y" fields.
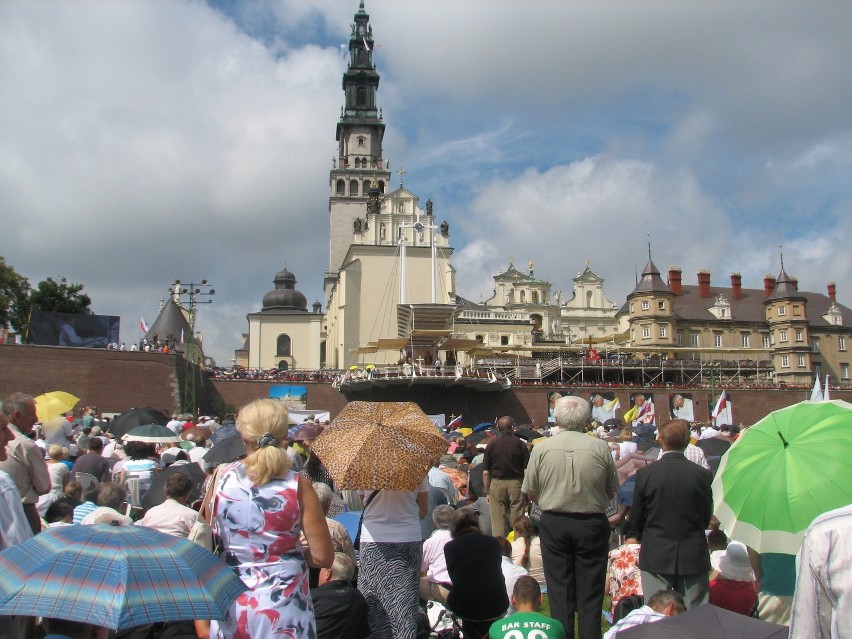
{"x": 734, "y": 564}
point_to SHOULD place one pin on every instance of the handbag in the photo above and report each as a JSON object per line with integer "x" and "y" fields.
{"x": 202, "y": 532}
{"x": 357, "y": 543}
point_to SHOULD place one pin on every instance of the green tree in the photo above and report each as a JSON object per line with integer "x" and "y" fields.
{"x": 58, "y": 296}
{"x": 14, "y": 297}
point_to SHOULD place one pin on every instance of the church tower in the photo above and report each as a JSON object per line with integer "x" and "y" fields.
{"x": 359, "y": 159}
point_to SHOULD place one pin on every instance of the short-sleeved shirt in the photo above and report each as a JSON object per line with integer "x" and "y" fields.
{"x": 505, "y": 458}
{"x": 393, "y": 516}
{"x": 523, "y": 625}
{"x": 571, "y": 473}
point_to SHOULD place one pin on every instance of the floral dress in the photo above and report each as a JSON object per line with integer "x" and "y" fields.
{"x": 259, "y": 527}
{"x": 625, "y": 578}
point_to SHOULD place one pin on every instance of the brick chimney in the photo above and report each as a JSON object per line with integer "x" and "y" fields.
{"x": 768, "y": 285}
{"x": 704, "y": 283}
{"x": 795, "y": 282}
{"x": 832, "y": 291}
{"x": 736, "y": 286}
{"x": 675, "y": 280}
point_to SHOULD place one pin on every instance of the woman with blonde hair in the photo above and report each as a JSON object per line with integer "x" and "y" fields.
{"x": 526, "y": 550}
{"x": 261, "y": 507}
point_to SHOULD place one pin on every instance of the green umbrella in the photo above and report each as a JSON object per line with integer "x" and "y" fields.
{"x": 151, "y": 433}
{"x": 790, "y": 467}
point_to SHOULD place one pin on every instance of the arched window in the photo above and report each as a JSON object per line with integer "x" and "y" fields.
{"x": 283, "y": 346}
{"x": 353, "y": 187}
{"x": 535, "y": 297}
{"x": 381, "y": 186}
{"x": 283, "y": 365}
{"x": 357, "y": 163}
{"x": 523, "y": 297}
{"x": 361, "y": 97}
{"x": 366, "y": 186}
{"x": 341, "y": 187}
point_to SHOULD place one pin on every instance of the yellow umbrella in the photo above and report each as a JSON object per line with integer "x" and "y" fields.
{"x": 54, "y": 404}
{"x": 465, "y": 431}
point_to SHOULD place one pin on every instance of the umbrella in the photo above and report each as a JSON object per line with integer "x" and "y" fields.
{"x": 528, "y": 434}
{"x": 308, "y": 432}
{"x": 114, "y": 577}
{"x": 790, "y": 467}
{"x": 54, "y": 404}
{"x": 225, "y": 451}
{"x": 475, "y": 438}
{"x": 707, "y": 622}
{"x": 134, "y": 417}
{"x": 379, "y": 446}
{"x": 482, "y": 426}
{"x": 197, "y": 432}
{"x": 151, "y": 433}
{"x": 224, "y": 432}
{"x": 156, "y": 493}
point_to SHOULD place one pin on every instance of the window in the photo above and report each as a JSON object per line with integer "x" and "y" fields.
{"x": 745, "y": 340}
{"x": 801, "y": 361}
{"x": 504, "y": 340}
{"x": 646, "y": 332}
{"x": 679, "y": 339}
{"x": 797, "y": 310}
{"x": 723, "y": 312}
{"x": 663, "y": 332}
{"x": 695, "y": 339}
{"x": 631, "y": 307}
{"x": 717, "y": 340}
{"x": 283, "y": 365}
{"x": 283, "y": 343}
{"x": 361, "y": 140}
{"x": 765, "y": 340}
{"x": 785, "y": 361}
{"x": 341, "y": 187}
{"x": 782, "y": 336}
{"x": 815, "y": 346}
{"x": 841, "y": 343}
{"x": 661, "y": 305}
{"x": 353, "y": 187}
{"x": 646, "y": 305}
{"x": 844, "y": 371}
{"x": 800, "y": 336}
{"x": 782, "y": 310}
{"x": 361, "y": 97}
{"x": 480, "y": 338}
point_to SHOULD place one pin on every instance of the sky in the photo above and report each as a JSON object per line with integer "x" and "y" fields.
{"x": 144, "y": 142}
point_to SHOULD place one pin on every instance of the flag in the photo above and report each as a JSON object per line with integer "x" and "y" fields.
{"x": 613, "y": 405}
{"x": 631, "y": 414}
{"x": 366, "y": 46}
{"x": 722, "y": 413}
{"x": 454, "y": 424}
{"x": 816, "y": 393}
{"x": 143, "y": 326}
{"x": 826, "y": 395}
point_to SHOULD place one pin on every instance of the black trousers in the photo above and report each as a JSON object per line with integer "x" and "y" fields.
{"x": 574, "y": 549}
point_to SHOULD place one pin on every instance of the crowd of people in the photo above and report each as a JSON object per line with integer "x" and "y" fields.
{"x": 575, "y": 510}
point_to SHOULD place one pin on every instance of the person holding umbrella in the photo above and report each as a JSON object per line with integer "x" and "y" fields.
{"x": 261, "y": 507}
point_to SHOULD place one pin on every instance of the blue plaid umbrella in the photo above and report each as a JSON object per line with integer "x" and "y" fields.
{"x": 114, "y": 577}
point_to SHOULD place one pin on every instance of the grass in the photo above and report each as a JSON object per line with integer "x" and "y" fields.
{"x": 545, "y": 610}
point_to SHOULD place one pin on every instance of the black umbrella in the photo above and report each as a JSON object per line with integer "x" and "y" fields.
{"x": 134, "y": 417}
{"x": 528, "y": 434}
{"x": 225, "y": 431}
{"x": 475, "y": 438}
{"x": 156, "y": 493}
{"x": 707, "y": 622}
{"x": 225, "y": 451}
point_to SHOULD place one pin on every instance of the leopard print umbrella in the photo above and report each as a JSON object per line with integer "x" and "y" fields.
{"x": 379, "y": 446}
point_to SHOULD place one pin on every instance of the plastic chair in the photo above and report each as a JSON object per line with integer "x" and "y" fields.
{"x": 133, "y": 498}
{"x": 86, "y": 480}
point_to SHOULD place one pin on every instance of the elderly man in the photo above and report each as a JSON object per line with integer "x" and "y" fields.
{"x": 25, "y": 460}
{"x": 173, "y": 516}
{"x": 600, "y": 413}
{"x": 682, "y": 408}
{"x": 572, "y": 478}
{"x": 14, "y": 527}
{"x": 672, "y": 505}
{"x": 502, "y": 474}
{"x": 339, "y": 608}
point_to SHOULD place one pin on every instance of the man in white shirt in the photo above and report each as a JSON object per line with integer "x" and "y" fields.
{"x": 14, "y": 527}
{"x": 173, "y": 516}
{"x": 662, "y": 604}
{"x": 822, "y": 603}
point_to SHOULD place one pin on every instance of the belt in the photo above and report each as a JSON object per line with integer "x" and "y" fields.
{"x": 562, "y": 514}
{"x": 508, "y": 478}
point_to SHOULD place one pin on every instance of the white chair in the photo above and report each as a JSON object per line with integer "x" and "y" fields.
{"x": 133, "y": 499}
{"x": 86, "y": 480}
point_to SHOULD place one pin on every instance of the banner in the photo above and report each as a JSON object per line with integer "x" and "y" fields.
{"x": 73, "y": 329}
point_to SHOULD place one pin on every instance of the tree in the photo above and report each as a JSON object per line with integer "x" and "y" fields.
{"x": 14, "y": 297}
{"x": 58, "y": 296}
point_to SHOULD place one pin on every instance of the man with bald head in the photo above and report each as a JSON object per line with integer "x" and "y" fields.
{"x": 672, "y": 505}
{"x": 502, "y": 475}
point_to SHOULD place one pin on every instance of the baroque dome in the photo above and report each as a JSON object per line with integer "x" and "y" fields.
{"x": 284, "y": 297}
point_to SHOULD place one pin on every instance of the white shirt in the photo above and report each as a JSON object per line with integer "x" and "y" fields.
{"x": 171, "y": 518}
{"x": 393, "y": 516}
{"x": 441, "y": 480}
{"x": 434, "y": 563}
{"x": 511, "y": 573}
{"x": 14, "y": 527}
{"x": 822, "y": 604}
{"x": 175, "y": 425}
{"x": 637, "y": 617}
